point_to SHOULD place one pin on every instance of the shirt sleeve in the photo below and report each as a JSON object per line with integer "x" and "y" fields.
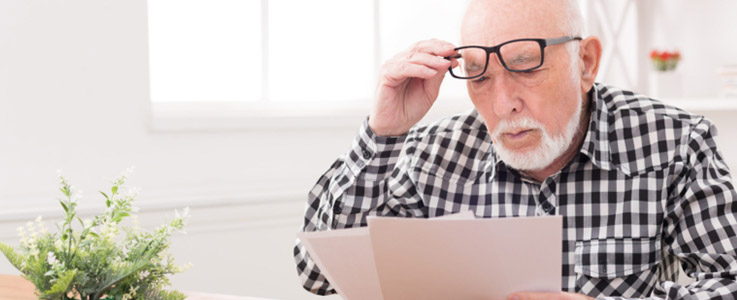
{"x": 371, "y": 179}
{"x": 700, "y": 226}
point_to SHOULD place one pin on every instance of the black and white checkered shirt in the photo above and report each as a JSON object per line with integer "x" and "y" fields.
{"x": 648, "y": 193}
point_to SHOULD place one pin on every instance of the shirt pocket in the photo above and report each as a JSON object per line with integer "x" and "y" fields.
{"x": 625, "y": 267}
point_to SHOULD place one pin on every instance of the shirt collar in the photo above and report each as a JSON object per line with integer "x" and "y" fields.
{"x": 596, "y": 143}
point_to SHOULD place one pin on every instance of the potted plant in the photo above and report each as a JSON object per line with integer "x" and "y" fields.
{"x": 664, "y": 81}
{"x": 665, "y": 60}
{"x": 98, "y": 258}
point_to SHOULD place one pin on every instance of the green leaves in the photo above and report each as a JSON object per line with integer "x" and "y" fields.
{"x": 117, "y": 275}
{"x": 64, "y": 205}
{"x": 167, "y": 295}
{"x": 107, "y": 199}
{"x": 61, "y": 286}
{"x": 90, "y": 259}
{"x": 119, "y": 217}
{"x": 13, "y": 257}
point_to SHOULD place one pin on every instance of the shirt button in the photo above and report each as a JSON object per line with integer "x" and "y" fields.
{"x": 337, "y": 209}
{"x": 366, "y": 154}
{"x": 547, "y": 207}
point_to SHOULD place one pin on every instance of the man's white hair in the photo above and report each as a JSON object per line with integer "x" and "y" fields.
{"x": 572, "y": 24}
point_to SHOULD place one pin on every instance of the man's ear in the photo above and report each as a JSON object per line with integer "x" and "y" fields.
{"x": 590, "y": 56}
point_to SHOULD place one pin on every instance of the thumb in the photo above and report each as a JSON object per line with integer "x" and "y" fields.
{"x": 528, "y": 296}
{"x": 546, "y": 295}
{"x": 432, "y": 85}
{"x": 436, "y": 80}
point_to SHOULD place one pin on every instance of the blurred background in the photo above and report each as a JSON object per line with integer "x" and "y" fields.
{"x": 236, "y": 107}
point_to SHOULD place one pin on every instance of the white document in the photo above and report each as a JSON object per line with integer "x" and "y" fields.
{"x": 346, "y": 259}
{"x": 466, "y": 259}
{"x": 350, "y": 258}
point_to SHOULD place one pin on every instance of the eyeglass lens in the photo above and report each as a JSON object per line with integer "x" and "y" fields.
{"x": 515, "y": 56}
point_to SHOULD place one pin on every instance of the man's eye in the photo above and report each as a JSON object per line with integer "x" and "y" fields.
{"x": 528, "y": 73}
{"x": 480, "y": 79}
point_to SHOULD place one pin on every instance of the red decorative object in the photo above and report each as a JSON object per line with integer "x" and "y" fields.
{"x": 665, "y": 60}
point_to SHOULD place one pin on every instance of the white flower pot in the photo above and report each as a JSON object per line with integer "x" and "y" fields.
{"x": 665, "y": 85}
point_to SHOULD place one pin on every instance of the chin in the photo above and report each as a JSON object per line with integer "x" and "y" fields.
{"x": 531, "y": 160}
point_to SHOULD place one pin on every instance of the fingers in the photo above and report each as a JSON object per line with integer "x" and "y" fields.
{"x": 529, "y": 296}
{"x": 423, "y": 60}
{"x": 430, "y": 60}
{"x": 408, "y": 86}
{"x": 398, "y": 72}
{"x": 435, "y": 47}
{"x": 547, "y": 296}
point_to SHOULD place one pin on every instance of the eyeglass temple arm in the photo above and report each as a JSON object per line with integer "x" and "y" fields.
{"x": 454, "y": 56}
{"x": 561, "y": 40}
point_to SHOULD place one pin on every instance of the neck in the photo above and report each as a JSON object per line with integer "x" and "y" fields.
{"x": 573, "y": 149}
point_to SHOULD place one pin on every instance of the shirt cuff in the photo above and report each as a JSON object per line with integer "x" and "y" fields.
{"x": 371, "y": 150}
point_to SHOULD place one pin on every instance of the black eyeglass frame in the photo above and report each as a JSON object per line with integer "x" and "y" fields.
{"x": 495, "y": 49}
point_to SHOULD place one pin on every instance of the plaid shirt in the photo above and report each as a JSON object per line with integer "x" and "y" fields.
{"x": 648, "y": 193}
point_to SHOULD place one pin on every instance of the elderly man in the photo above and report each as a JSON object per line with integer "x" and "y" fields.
{"x": 640, "y": 185}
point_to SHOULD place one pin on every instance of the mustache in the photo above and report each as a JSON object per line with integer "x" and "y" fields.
{"x": 506, "y": 126}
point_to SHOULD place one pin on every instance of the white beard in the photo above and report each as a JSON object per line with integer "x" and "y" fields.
{"x": 541, "y": 156}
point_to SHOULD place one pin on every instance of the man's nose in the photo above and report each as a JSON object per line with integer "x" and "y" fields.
{"x": 505, "y": 96}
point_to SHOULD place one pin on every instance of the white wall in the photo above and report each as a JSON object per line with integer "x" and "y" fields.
{"x": 74, "y": 96}
{"x": 704, "y": 32}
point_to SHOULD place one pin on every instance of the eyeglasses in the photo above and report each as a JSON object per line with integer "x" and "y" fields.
{"x": 521, "y": 55}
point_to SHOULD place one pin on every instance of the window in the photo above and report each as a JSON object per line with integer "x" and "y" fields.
{"x": 219, "y": 60}
{"x": 616, "y": 24}
{"x": 205, "y": 50}
{"x": 284, "y": 50}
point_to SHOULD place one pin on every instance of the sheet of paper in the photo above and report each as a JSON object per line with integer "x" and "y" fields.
{"x": 466, "y": 259}
{"x": 345, "y": 257}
